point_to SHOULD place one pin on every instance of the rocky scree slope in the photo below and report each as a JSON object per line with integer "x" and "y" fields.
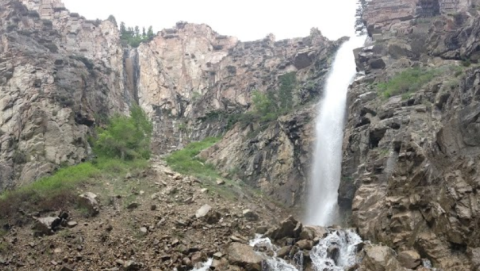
{"x": 65, "y": 75}
{"x": 151, "y": 219}
{"x": 410, "y": 165}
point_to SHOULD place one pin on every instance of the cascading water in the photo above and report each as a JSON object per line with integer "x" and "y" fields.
{"x": 321, "y": 206}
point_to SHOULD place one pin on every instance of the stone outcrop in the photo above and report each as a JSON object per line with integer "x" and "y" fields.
{"x": 58, "y": 73}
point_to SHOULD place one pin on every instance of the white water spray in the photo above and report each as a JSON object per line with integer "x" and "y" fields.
{"x": 322, "y": 206}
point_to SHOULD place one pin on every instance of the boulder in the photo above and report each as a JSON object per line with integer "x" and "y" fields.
{"x": 203, "y": 211}
{"x": 47, "y": 225}
{"x": 289, "y": 227}
{"x": 89, "y": 201}
{"x": 409, "y": 259}
{"x": 244, "y": 256}
{"x": 312, "y": 232}
{"x": 250, "y": 215}
{"x": 305, "y": 244}
{"x": 284, "y": 251}
{"x": 380, "y": 258}
{"x": 333, "y": 252}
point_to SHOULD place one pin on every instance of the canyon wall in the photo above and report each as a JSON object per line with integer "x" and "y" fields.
{"x": 63, "y": 75}
{"x": 411, "y": 159}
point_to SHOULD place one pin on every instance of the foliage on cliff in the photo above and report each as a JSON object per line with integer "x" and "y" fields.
{"x": 126, "y": 137}
{"x": 272, "y": 104}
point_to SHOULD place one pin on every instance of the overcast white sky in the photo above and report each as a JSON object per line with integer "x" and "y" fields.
{"x": 246, "y": 19}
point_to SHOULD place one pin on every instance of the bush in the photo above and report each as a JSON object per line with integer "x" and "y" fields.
{"x": 126, "y": 138}
{"x": 59, "y": 190}
{"x": 186, "y": 161}
{"x": 407, "y": 81}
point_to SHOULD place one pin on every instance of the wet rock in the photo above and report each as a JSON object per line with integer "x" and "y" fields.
{"x": 250, "y": 215}
{"x": 333, "y": 252}
{"x": 284, "y": 251}
{"x": 305, "y": 244}
{"x": 409, "y": 259}
{"x": 312, "y": 232}
{"x": 199, "y": 257}
{"x": 289, "y": 227}
{"x": 243, "y": 256}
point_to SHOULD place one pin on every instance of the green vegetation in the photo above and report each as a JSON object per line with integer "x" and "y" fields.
{"x": 121, "y": 147}
{"x": 407, "y": 82}
{"x": 127, "y": 138}
{"x": 132, "y": 35}
{"x": 272, "y": 104}
{"x": 186, "y": 161}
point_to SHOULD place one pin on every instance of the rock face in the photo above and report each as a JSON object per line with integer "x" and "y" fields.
{"x": 58, "y": 72}
{"x": 61, "y": 75}
{"x": 410, "y": 165}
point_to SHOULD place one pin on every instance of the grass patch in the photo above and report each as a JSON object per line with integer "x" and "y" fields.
{"x": 185, "y": 161}
{"x": 59, "y": 190}
{"x": 407, "y": 82}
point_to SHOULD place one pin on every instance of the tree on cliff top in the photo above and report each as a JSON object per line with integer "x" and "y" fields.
{"x": 133, "y": 36}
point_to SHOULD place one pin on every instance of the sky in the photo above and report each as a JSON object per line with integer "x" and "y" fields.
{"x": 247, "y": 19}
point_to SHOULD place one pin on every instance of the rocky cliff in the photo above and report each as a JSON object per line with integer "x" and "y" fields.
{"x": 59, "y": 72}
{"x": 410, "y": 167}
{"x": 63, "y": 75}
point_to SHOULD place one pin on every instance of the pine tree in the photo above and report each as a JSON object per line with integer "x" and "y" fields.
{"x": 150, "y": 34}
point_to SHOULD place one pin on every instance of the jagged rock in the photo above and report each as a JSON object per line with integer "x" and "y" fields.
{"x": 89, "y": 201}
{"x": 284, "y": 251}
{"x": 409, "y": 259}
{"x": 380, "y": 258}
{"x": 474, "y": 255}
{"x": 305, "y": 244}
{"x": 199, "y": 257}
{"x": 250, "y": 215}
{"x": 244, "y": 256}
{"x": 288, "y": 228}
{"x": 312, "y": 232}
{"x": 46, "y": 225}
{"x": 203, "y": 211}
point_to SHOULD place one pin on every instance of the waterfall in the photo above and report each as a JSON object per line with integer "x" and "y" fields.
{"x": 322, "y": 208}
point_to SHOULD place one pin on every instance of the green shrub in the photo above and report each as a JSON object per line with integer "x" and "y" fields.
{"x": 408, "y": 81}
{"x": 126, "y": 138}
{"x": 59, "y": 190}
{"x": 186, "y": 161}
